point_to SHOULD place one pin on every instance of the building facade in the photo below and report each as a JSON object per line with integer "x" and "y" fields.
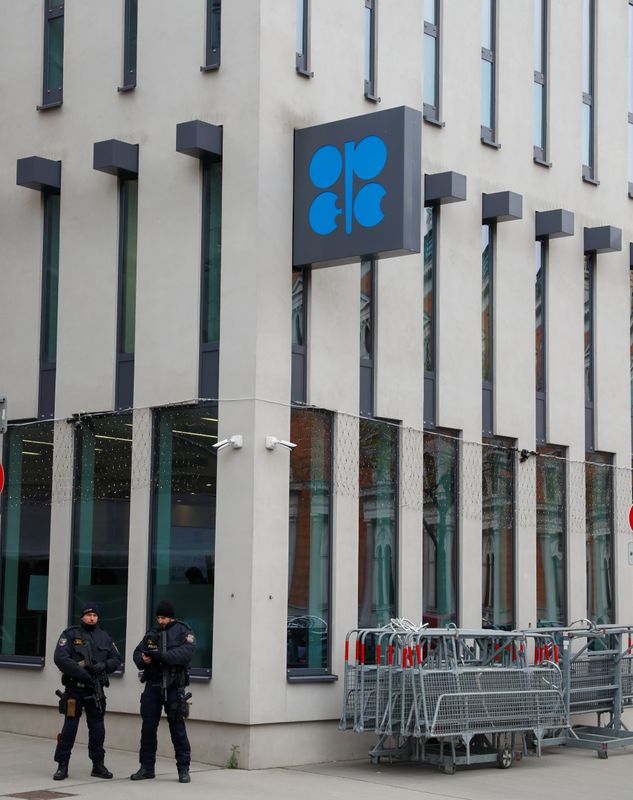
{"x": 461, "y": 414}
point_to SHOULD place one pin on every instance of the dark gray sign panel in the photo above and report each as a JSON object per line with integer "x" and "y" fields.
{"x": 357, "y": 188}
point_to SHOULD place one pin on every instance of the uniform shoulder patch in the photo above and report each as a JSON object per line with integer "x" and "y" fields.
{"x": 62, "y": 642}
{"x": 191, "y": 638}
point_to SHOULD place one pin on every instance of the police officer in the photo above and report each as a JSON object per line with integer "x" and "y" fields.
{"x": 85, "y": 654}
{"x": 164, "y": 655}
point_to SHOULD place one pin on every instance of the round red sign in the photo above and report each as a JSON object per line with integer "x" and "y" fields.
{"x": 1, "y": 477}
{"x": 631, "y": 518}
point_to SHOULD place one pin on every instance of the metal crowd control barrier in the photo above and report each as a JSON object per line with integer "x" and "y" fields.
{"x": 448, "y": 696}
{"x": 596, "y": 663}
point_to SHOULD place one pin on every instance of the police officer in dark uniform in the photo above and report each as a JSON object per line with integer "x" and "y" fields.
{"x": 164, "y": 655}
{"x": 85, "y": 654}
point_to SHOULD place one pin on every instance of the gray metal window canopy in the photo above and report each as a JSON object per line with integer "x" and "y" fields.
{"x": 115, "y": 157}
{"x": 441, "y": 188}
{"x": 501, "y": 207}
{"x": 553, "y": 224}
{"x": 199, "y": 139}
{"x": 603, "y": 239}
{"x": 41, "y": 174}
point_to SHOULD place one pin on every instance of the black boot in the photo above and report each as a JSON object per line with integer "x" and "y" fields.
{"x": 62, "y": 771}
{"x": 183, "y": 775}
{"x": 142, "y": 774}
{"x": 99, "y": 770}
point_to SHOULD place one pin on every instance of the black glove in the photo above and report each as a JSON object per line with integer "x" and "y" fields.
{"x": 97, "y": 668}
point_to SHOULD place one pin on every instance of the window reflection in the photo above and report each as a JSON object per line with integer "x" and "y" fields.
{"x": 599, "y": 537}
{"x": 429, "y": 287}
{"x": 550, "y": 537}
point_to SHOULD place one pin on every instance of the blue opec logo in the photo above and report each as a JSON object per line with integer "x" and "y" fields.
{"x": 363, "y": 161}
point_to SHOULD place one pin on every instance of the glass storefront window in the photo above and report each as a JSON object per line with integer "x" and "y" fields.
{"x": 599, "y": 537}
{"x": 26, "y": 523}
{"x": 377, "y": 522}
{"x": 440, "y": 521}
{"x": 308, "y": 636}
{"x": 497, "y": 496}
{"x": 183, "y": 542}
{"x": 550, "y": 537}
{"x": 102, "y": 519}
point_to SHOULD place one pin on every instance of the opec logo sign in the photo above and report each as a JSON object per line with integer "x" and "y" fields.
{"x": 357, "y": 188}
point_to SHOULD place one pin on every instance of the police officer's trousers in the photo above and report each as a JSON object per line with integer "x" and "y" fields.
{"x": 151, "y": 706}
{"x": 96, "y": 730}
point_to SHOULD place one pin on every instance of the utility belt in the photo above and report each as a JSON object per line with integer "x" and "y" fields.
{"x": 176, "y": 676}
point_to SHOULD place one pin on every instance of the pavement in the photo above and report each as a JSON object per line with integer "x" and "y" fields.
{"x": 26, "y": 767}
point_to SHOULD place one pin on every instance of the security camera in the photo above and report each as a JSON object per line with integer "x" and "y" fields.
{"x": 273, "y": 441}
{"x": 236, "y": 442}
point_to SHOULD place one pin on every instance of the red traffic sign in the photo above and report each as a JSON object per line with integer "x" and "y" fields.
{"x": 2, "y": 478}
{"x": 630, "y": 515}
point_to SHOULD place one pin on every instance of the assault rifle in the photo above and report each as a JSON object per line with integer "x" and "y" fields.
{"x": 163, "y": 650}
{"x": 98, "y": 681}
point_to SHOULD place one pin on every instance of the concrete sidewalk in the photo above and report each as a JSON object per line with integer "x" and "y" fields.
{"x": 26, "y": 766}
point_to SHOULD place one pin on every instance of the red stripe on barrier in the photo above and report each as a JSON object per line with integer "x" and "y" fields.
{"x": 418, "y": 653}
{"x": 390, "y": 654}
{"x": 346, "y": 650}
{"x": 556, "y": 653}
{"x": 357, "y": 650}
{"x": 362, "y": 653}
{"x": 378, "y": 654}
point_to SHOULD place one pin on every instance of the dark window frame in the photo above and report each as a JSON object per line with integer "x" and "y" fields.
{"x": 51, "y": 98}
{"x": 589, "y": 98}
{"x": 630, "y": 110}
{"x": 541, "y": 392}
{"x": 488, "y": 385}
{"x": 368, "y": 364}
{"x": 213, "y": 45}
{"x": 48, "y": 367}
{"x": 489, "y": 135}
{"x": 124, "y": 360}
{"x": 607, "y": 463}
{"x": 302, "y": 61}
{"x": 431, "y": 113}
{"x": 589, "y": 283}
{"x": 540, "y": 78}
{"x": 299, "y": 352}
{"x": 325, "y": 674}
{"x": 370, "y": 80}
{"x": 211, "y": 170}
{"x": 130, "y": 44}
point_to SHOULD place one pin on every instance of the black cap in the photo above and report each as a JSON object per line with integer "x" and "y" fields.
{"x": 165, "y": 609}
{"x": 87, "y": 608}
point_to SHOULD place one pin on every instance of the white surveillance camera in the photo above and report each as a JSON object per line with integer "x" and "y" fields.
{"x": 236, "y": 442}
{"x": 273, "y": 441}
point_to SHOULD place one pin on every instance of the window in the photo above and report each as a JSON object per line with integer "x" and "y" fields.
{"x": 129, "y": 45}
{"x": 26, "y": 522}
{"x": 303, "y": 38}
{"x": 370, "y": 50}
{"x": 487, "y": 325}
{"x": 631, "y": 346}
{"x": 377, "y": 522}
{"x": 540, "y": 80}
{"x": 432, "y": 60}
{"x": 540, "y": 338}
{"x": 183, "y": 520}
{"x": 52, "y": 93}
{"x": 589, "y": 276}
{"x": 212, "y": 47}
{"x": 588, "y": 87}
{"x": 300, "y": 288}
{"x": 367, "y": 317}
{"x": 429, "y": 290}
{"x": 488, "y": 70}
{"x": 440, "y": 521}
{"x": 551, "y": 499}
{"x": 128, "y": 227}
{"x": 599, "y": 537}
{"x": 630, "y": 127}
{"x": 308, "y": 637}
{"x": 211, "y": 278}
{"x": 497, "y": 496}
{"x": 50, "y": 283}
{"x": 101, "y": 519}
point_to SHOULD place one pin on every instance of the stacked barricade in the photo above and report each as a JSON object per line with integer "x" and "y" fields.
{"x": 466, "y": 689}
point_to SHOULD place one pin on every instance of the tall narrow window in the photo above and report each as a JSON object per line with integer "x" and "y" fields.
{"x": 487, "y": 317}
{"x": 498, "y": 534}
{"x": 488, "y": 70}
{"x": 370, "y": 50}
{"x": 540, "y": 80}
{"x": 367, "y": 316}
{"x": 630, "y": 126}
{"x": 550, "y": 537}
{"x": 430, "y": 226}
{"x": 540, "y": 337}
{"x": 588, "y": 347}
{"x": 309, "y": 622}
{"x": 52, "y": 92}
{"x": 303, "y": 37}
{"x": 50, "y": 282}
{"x": 631, "y": 346}
{"x": 212, "y": 45}
{"x": 101, "y": 519}
{"x": 26, "y": 523}
{"x": 588, "y": 89}
{"x": 211, "y": 277}
{"x": 432, "y": 60}
{"x": 377, "y": 523}
{"x": 300, "y": 283}
{"x": 599, "y": 537}
{"x": 440, "y": 520}
{"x": 128, "y": 225}
{"x": 183, "y": 540}
{"x": 129, "y": 45}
